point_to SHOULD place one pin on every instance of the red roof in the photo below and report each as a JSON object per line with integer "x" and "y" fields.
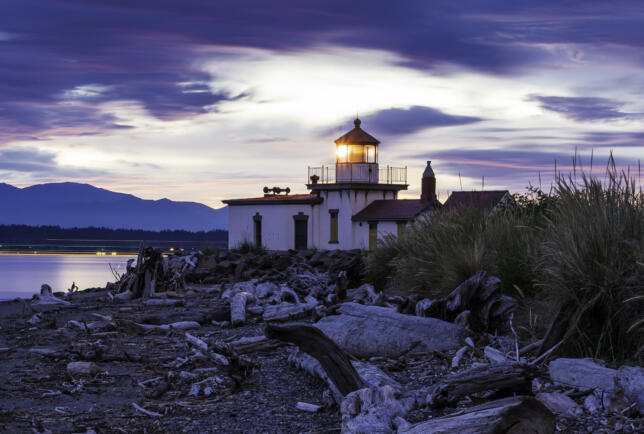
{"x": 392, "y": 209}
{"x": 357, "y": 136}
{"x": 474, "y": 199}
{"x": 276, "y": 199}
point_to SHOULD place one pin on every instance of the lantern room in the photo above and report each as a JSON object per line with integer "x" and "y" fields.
{"x": 356, "y": 156}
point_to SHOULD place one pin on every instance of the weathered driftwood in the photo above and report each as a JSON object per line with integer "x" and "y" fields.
{"x": 558, "y": 327}
{"x": 163, "y": 302}
{"x": 310, "y": 408}
{"x": 582, "y": 373}
{"x": 514, "y": 377}
{"x": 133, "y": 327}
{"x": 47, "y": 300}
{"x": 367, "y": 331}
{"x": 253, "y": 344}
{"x": 370, "y": 374}
{"x": 559, "y": 403}
{"x": 220, "y": 312}
{"x": 371, "y": 410}
{"x": 238, "y": 308}
{"x": 481, "y": 295}
{"x": 315, "y": 343}
{"x": 289, "y": 311}
{"x": 521, "y": 414}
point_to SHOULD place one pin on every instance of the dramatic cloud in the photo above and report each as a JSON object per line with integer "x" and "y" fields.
{"x": 199, "y": 99}
{"x": 584, "y": 109}
{"x": 395, "y": 121}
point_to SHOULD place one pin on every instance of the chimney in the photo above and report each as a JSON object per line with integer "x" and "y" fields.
{"x": 428, "y": 191}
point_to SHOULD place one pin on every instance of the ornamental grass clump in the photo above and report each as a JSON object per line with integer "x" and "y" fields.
{"x": 592, "y": 256}
{"x": 438, "y": 252}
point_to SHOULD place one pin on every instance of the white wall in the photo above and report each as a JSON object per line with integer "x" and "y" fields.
{"x": 350, "y": 234}
{"x": 278, "y": 227}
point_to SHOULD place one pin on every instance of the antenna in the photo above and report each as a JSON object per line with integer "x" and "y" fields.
{"x": 540, "y": 180}
{"x": 460, "y": 181}
{"x": 482, "y": 183}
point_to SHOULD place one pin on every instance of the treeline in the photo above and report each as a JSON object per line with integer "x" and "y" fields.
{"x": 31, "y": 233}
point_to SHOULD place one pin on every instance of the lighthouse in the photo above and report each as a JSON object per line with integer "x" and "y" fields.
{"x": 351, "y": 203}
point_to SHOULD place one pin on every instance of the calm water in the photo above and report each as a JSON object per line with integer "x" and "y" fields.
{"x": 22, "y": 275}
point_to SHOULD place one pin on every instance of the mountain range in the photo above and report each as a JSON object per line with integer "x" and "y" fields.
{"x": 70, "y": 204}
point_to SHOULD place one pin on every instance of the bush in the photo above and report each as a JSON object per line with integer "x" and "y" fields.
{"x": 583, "y": 243}
{"x": 440, "y": 251}
{"x": 249, "y": 247}
{"x": 592, "y": 256}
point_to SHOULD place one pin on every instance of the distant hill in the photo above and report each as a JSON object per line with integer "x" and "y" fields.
{"x": 69, "y": 204}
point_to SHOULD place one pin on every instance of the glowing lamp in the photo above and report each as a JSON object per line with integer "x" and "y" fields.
{"x": 341, "y": 152}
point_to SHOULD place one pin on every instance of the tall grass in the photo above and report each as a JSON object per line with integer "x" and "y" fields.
{"x": 582, "y": 243}
{"x": 441, "y": 250}
{"x": 593, "y": 242}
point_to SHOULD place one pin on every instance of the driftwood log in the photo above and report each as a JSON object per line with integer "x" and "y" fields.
{"x": 368, "y": 331}
{"x": 312, "y": 341}
{"x": 521, "y": 414}
{"x": 507, "y": 377}
{"x": 558, "y": 327}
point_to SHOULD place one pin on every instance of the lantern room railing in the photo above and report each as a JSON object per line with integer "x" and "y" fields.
{"x": 355, "y": 172}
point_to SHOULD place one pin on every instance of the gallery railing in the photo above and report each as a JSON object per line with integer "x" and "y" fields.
{"x": 357, "y": 173}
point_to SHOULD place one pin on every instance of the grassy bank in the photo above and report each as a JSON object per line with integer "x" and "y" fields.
{"x": 581, "y": 244}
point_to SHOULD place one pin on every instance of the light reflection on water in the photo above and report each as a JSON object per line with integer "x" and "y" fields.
{"x": 22, "y": 275}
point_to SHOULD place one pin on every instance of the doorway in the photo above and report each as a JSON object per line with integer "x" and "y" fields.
{"x": 301, "y": 231}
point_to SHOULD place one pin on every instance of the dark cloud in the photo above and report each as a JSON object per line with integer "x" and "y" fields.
{"x": 516, "y": 164}
{"x": 147, "y": 51}
{"x": 584, "y": 109}
{"x": 395, "y": 121}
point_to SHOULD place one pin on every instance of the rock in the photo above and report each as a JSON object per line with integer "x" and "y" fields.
{"x": 560, "y": 404}
{"x": 78, "y": 369}
{"x": 583, "y": 374}
{"x": 367, "y": 331}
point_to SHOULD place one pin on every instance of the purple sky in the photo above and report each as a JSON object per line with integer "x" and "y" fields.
{"x": 205, "y": 100}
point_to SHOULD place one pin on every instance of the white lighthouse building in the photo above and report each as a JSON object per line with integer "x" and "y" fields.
{"x": 350, "y": 204}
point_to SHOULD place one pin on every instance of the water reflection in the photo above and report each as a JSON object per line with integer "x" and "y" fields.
{"x": 22, "y": 275}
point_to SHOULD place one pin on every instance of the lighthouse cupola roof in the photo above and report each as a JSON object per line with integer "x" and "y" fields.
{"x": 357, "y": 136}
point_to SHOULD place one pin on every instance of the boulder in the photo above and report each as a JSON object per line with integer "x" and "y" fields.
{"x": 367, "y": 331}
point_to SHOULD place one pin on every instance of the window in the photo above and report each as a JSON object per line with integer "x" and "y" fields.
{"x": 400, "y": 226}
{"x": 371, "y": 154}
{"x": 333, "y": 228}
{"x": 373, "y": 235}
{"x": 257, "y": 224}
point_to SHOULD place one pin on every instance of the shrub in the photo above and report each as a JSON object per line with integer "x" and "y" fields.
{"x": 249, "y": 247}
{"x": 592, "y": 256}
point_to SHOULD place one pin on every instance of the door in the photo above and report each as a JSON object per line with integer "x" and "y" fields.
{"x": 301, "y": 231}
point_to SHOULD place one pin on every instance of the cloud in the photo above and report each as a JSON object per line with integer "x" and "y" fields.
{"x": 584, "y": 109}
{"x": 397, "y": 121}
{"x": 147, "y": 52}
{"x": 39, "y": 162}
{"x": 511, "y": 165}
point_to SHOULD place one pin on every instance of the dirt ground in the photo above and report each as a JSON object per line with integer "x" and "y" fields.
{"x": 38, "y": 395}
